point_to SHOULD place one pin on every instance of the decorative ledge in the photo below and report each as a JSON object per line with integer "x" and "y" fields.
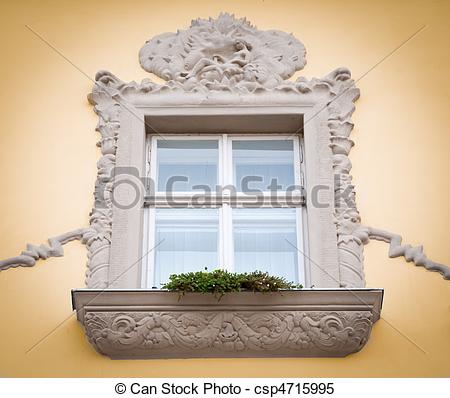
{"x": 131, "y": 324}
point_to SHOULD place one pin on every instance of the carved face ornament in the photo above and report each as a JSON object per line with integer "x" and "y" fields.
{"x": 224, "y": 51}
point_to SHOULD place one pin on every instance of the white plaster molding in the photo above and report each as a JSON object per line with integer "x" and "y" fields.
{"x": 226, "y": 66}
{"x": 54, "y": 248}
{"x": 333, "y": 95}
{"x": 101, "y": 217}
{"x": 156, "y": 324}
{"x": 410, "y": 253}
{"x": 227, "y": 61}
{"x": 224, "y": 52}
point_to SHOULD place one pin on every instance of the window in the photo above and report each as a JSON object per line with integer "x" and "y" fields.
{"x": 224, "y": 201}
{"x": 221, "y": 195}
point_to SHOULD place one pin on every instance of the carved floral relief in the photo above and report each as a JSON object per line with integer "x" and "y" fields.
{"x": 158, "y": 333}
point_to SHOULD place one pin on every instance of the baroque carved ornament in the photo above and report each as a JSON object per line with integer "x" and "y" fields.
{"x": 227, "y": 62}
{"x": 156, "y": 334}
{"x": 158, "y": 325}
{"x": 225, "y": 55}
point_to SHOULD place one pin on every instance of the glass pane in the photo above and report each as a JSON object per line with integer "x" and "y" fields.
{"x": 270, "y": 160}
{"x": 266, "y": 240}
{"x": 186, "y": 240}
{"x": 195, "y": 160}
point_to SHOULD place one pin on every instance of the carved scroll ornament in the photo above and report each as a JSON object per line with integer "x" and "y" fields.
{"x": 224, "y": 52}
{"x": 154, "y": 334}
{"x": 226, "y": 56}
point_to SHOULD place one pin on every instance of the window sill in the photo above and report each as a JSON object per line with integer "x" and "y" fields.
{"x": 125, "y": 324}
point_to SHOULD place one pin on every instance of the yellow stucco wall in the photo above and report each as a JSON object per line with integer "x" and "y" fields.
{"x": 48, "y": 167}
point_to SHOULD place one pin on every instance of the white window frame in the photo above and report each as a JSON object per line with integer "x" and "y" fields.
{"x": 222, "y": 202}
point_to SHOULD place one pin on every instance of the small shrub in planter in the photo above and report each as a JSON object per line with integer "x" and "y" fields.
{"x": 220, "y": 282}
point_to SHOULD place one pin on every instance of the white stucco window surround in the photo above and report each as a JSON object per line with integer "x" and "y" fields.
{"x": 331, "y": 260}
{"x": 128, "y": 229}
{"x": 226, "y": 91}
{"x": 240, "y": 92}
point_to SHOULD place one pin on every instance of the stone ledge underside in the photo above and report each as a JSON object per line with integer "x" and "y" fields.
{"x": 156, "y": 324}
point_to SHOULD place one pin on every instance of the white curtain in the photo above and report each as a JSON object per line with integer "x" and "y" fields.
{"x": 266, "y": 240}
{"x": 195, "y": 159}
{"x": 268, "y": 159}
{"x": 187, "y": 240}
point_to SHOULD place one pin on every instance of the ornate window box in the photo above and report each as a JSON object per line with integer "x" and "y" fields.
{"x": 124, "y": 324}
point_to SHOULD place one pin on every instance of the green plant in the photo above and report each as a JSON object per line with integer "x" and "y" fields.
{"x": 258, "y": 281}
{"x": 220, "y": 282}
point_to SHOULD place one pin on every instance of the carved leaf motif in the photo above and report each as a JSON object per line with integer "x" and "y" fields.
{"x": 227, "y": 51}
{"x": 188, "y": 332}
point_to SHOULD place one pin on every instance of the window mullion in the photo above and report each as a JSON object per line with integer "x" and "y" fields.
{"x": 301, "y": 257}
{"x": 227, "y": 239}
{"x": 148, "y": 254}
{"x": 297, "y": 162}
{"x": 153, "y": 163}
{"x": 225, "y": 160}
{"x": 221, "y": 243}
{"x": 222, "y": 159}
{"x": 227, "y": 229}
{"x": 149, "y": 247}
